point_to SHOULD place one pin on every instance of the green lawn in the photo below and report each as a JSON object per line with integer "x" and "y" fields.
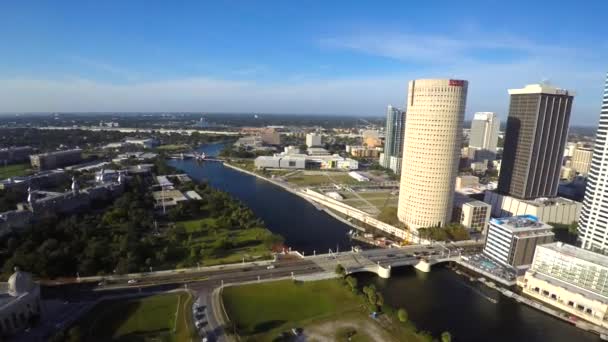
{"x": 173, "y": 147}
{"x": 144, "y": 319}
{"x": 261, "y": 308}
{"x": 261, "y": 312}
{"x": 245, "y": 243}
{"x": 14, "y": 170}
{"x": 314, "y": 180}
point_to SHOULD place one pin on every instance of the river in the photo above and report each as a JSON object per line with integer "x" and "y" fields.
{"x": 437, "y": 301}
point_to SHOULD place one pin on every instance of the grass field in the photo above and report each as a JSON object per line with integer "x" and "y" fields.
{"x": 145, "y": 319}
{"x": 245, "y": 243}
{"x": 263, "y": 308}
{"x": 317, "y": 179}
{"x": 14, "y": 170}
{"x": 325, "y": 309}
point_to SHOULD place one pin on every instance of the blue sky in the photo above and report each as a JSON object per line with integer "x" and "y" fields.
{"x": 333, "y": 57}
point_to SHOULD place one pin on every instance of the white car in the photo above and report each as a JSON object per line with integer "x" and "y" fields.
{"x": 132, "y": 281}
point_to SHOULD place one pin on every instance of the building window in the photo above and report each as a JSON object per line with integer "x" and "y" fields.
{"x": 536, "y": 289}
{"x": 545, "y": 293}
{"x": 580, "y": 307}
{"x": 554, "y": 297}
{"x": 571, "y": 303}
{"x": 588, "y": 311}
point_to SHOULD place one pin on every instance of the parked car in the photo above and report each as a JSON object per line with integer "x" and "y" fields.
{"x": 132, "y": 281}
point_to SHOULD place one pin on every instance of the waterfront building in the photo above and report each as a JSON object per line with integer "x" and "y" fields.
{"x": 53, "y": 160}
{"x": 431, "y": 151}
{"x": 393, "y": 141}
{"x": 511, "y": 241}
{"x": 303, "y": 161}
{"x": 484, "y": 135}
{"x": 537, "y": 129}
{"x": 593, "y": 224}
{"x": 19, "y": 303}
{"x": 581, "y": 160}
{"x": 572, "y": 279}
{"x": 313, "y": 140}
{"x": 554, "y": 210}
{"x": 16, "y": 154}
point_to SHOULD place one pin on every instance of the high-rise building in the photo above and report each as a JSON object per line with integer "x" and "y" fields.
{"x": 511, "y": 241}
{"x": 581, "y": 160}
{"x": 593, "y": 223}
{"x": 313, "y": 140}
{"x": 484, "y": 135}
{"x": 431, "y": 151}
{"x": 537, "y": 129}
{"x": 393, "y": 142}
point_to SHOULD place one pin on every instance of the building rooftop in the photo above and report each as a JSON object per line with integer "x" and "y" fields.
{"x": 520, "y": 223}
{"x": 576, "y": 252}
{"x": 56, "y": 153}
{"x": 540, "y": 89}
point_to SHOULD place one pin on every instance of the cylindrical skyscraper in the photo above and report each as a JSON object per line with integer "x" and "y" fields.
{"x": 431, "y": 151}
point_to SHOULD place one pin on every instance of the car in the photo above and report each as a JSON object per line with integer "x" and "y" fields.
{"x": 408, "y": 255}
{"x": 270, "y": 267}
{"x": 390, "y": 255}
{"x": 132, "y": 281}
{"x": 101, "y": 283}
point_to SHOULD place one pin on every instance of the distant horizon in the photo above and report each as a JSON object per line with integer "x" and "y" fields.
{"x": 281, "y": 57}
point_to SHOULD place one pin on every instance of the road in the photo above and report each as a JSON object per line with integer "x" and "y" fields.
{"x": 204, "y": 282}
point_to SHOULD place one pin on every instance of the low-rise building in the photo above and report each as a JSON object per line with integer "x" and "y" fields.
{"x": 511, "y": 241}
{"x": 359, "y": 177}
{"x": 40, "y": 180}
{"x": 144, "y": 142}
{"x": 19, "y": 303}
{"x": 466, "y": 182}
{"x": 303, "y": 161}
{"x": 18, "y": 154}
{"x": 249, "y": 142}
{"x": 572, "y": 279}
{"x": 270, "y": 136}
{"x": 365, "y": 152}
{"x": 57, "y": 159}
{"x": 555, "y": 210}
{"x": 317, "y": 151}
{"x": 168, "y": 198}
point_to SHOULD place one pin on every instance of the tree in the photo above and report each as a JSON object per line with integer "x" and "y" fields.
{"x": 446, "y": 337}
{"x": 74, "y": 334}
{"x": 352, "y": 282}
{"x": 340, "y": 270}
{"x": 402, "y": 315}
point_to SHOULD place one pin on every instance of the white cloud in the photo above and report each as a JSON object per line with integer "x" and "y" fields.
{"x": 439, "y": 57}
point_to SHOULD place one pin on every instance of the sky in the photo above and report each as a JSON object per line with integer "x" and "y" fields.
{"x": 325, "y": 57}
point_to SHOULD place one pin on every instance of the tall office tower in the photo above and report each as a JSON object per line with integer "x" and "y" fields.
{"x": 431, "y": 151}
{"x": 537, "y": 129}
{"x": 484, "y": 135}
{"x": 593, "y": 225}
{"x": 395, "y": 128}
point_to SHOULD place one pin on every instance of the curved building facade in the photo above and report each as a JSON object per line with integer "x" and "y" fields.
{"x": 593, "y": 222}
{"x": 431, "y": 151}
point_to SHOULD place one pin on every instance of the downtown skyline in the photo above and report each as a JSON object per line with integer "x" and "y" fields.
{"x": 274, "y": 58}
